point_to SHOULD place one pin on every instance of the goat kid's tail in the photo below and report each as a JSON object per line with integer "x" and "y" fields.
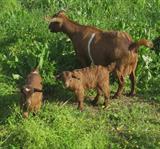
{"x": 142, "y": 42}
{"x": 111, "y": 67}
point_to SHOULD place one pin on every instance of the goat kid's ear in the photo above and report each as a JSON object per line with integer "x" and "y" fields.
{"x": 27, "y": 89}
{"x": 75, "y": 77}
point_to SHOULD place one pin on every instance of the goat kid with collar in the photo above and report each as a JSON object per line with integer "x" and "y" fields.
{"x": 31, "y": 93}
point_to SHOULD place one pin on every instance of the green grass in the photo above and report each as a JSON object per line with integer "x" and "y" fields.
{"x": 126, "y": 123}
{"x": 25, "y": 41}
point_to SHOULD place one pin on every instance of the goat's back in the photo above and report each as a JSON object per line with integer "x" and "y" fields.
{"x": 108, "y": 47}
{"x": 35, "y": 80}
{"x": 90, "y": 76}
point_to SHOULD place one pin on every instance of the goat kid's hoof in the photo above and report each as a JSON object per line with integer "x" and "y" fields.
{"x": 104, "y": 107}
{"x": 80, "y": 109}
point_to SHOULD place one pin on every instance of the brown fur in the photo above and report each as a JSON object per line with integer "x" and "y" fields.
{"x": 106, "y": 47}
{"x": 88, "y": 78}
{"x": 31, "y": 94}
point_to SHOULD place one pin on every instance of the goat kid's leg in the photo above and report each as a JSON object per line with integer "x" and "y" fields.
{"x": 106, "y": 96}
{"x": 80, "y": 98}
{"x": 25, "y": 114}
{"x": 94, "y": 102}
{"x": 133, "y": 81}
{"x": 120, "y": 85}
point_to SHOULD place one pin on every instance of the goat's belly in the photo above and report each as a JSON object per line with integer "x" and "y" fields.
{"x": 36, "y": 99}
{"x": 102, "y": 62}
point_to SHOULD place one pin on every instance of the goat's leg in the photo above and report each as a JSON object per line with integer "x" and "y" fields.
{"x": 133, "y": 81}
{"x": 80, "y": 98}
{"x": 120, "y": 85}
{"x": 94, "y": 102}
{"x": 132, "y": 77}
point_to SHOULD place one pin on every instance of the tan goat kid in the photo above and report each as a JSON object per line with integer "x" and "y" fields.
{"x": 88, "y": 78}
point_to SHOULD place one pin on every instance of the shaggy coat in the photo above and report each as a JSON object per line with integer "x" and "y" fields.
{"x": 88, "y": 78}
{"x": 105, "y": 47}
{"x": 31, "y": 94}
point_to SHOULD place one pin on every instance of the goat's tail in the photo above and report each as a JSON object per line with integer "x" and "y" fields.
{"x": 142, "y": 42}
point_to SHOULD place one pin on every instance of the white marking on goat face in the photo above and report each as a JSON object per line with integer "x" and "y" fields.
{"x": 59, "y": 20}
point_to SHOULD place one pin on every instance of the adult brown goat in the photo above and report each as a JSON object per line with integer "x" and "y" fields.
{"x": 93, "y": 45}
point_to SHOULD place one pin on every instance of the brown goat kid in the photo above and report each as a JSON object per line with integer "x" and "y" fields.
{"x": 101, "y": 47}
{"x": 31, "y": 94}
{"x": 88, "y": 78}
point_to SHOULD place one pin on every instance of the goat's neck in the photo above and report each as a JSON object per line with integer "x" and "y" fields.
{"x": 71, "y": 28}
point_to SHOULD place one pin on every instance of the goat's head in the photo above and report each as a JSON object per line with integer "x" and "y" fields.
{"x": 71, "y": 79}
{"x": 56, "y": 21}
{"x": 64, "y": 77}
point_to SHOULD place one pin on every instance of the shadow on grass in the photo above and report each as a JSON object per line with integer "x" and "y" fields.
{"x": 5, "y": 43}
{"x": 6, "y": 102}
{"x": 61, "y": 95}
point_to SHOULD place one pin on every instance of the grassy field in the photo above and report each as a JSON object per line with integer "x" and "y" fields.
{"x": 25, "y": 41}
